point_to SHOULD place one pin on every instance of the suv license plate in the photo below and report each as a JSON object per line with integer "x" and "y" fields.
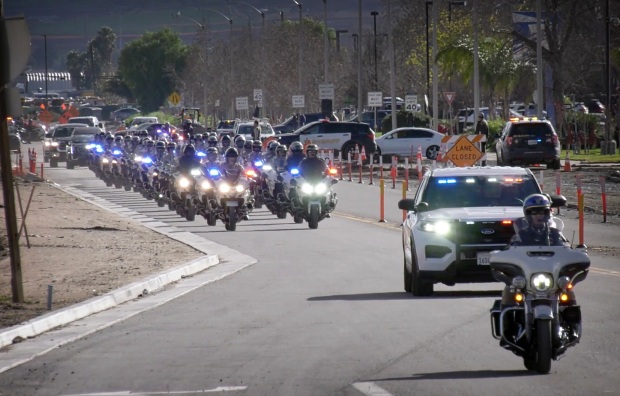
{"x": 532, "y": 142}
{"x": 483, "y": 258}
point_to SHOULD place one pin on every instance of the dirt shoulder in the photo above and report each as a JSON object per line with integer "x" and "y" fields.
{"x": 79, "y": 249}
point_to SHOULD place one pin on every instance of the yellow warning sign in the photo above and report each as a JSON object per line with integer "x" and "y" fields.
{"x": 174, "y": 98}
{"x": 464, "y": 152}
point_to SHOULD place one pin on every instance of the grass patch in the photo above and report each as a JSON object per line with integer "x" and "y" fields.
{"x": 593, "y": 155}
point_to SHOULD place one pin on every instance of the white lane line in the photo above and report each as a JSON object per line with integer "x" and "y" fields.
{"x": 132, "y": 393}
{"x": 371, "y": 389}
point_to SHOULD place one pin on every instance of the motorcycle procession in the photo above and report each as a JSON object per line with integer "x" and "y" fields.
{"x": 224, "y": 178}
{"x": 219, "y": 178}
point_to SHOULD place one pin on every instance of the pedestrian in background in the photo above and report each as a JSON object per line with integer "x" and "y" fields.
{"x": 482, "y": 127}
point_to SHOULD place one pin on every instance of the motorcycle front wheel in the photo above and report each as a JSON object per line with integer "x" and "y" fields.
{"x": 543, "y": 347}
{"x": 313, "y": 220}
{"x": 232, "y": 219}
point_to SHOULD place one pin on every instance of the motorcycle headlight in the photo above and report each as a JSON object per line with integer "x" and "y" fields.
{"x": 239, "y": 188}
{"x": 87, "y": 147}
{"x": 438, "y": 227}
{"x": 542, "y": 281}
{"x": 267, "y": 167}
{"x": 224, "y": 188}
{"x": 114, "y": 161}
{"x": 294, "y": 171}
{"x": 147, "y": 160}
{"x": 195, "y": 172}
{"x": 320, "y": 188}
{"x": 54, "y": 144}
{"x": 137, "y": 158}
{"x": 105, "y": 160}
{"x": 117, "y": 152}
{"x": 307, "y": 188}
{"x": 205, "y": 185}
{"x": 47, "y": 144}
{"x": 184, "y": 182}
{"x": 155, "y": 174}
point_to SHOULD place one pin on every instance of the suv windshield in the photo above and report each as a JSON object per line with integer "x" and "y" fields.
{"x": 475, "y": 191}
{"x": 63, "y": 132}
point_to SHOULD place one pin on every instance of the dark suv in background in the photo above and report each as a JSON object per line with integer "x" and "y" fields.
{"x": 337, "y": 136}
{"x": 528, "y": 142}
{"x": 291, "y": 123}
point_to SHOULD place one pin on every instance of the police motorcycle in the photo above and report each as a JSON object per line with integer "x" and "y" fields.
{"x": 308, "y": 188}
{"x": 184, "y": 188}
{"x": 273, "y": 190}
{"x": 232, "y": 195}
{"x": 538, "y": 318}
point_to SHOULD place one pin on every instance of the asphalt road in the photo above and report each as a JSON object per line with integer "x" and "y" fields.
{"x": 322, "y": 312}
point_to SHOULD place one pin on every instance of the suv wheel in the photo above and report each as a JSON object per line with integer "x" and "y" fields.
{"x": 555, "y": 164}
{"x": 419, "y": 288}
{"x": 406, "y": 276}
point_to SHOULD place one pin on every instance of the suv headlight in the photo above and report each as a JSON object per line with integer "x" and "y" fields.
{"x": 542, "y": 281}
{"x": 438, "y": 227}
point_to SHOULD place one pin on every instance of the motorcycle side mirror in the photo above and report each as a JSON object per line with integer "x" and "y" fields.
{"x": 334, "y": 181}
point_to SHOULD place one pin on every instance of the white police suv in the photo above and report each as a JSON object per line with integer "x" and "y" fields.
{"x": 458, "y": 216}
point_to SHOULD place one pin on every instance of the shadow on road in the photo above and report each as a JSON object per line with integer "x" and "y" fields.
{"x": 408, "y": 296}
{"x": 447, "y": 375}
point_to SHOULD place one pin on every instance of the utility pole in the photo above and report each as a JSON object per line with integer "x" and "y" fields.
{"x": 12, "y": 231}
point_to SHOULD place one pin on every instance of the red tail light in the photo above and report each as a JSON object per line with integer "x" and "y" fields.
{"x": 509, "y": 140}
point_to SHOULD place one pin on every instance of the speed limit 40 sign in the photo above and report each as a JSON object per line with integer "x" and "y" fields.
{"x": 258, "y": 95}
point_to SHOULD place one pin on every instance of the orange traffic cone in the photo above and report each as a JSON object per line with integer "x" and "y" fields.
{"x": 567, "y": 167}
{"x": 363, "y": 153}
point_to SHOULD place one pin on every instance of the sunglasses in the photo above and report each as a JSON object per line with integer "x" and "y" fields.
{"x": 537, "y": 211}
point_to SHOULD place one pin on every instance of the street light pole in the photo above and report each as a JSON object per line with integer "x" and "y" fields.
{"x": 203, "y": 27}
{"x": 325, "y": 43}
{"x": 428, "y": 67}
{"x": 374, "y": 16}
{"x": 300, "y": 46}
{"x": 46, "y": 74}
{"x": 359, "y": 62}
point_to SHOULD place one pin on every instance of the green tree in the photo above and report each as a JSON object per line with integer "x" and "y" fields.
{"x": 150, "y": 67}
{"x": 77, "y": 64}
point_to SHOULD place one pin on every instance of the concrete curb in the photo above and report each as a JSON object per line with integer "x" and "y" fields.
{"x": 97, "y": 304}
{"x": 132, "y": 291}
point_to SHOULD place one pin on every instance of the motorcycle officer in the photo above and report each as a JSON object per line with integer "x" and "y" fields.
{"x": 536, "y": 229}
{"x": 296, "y": 156}
{"x": 211, "y": 160}
{"x": 231, "y": 169}
{"x": 224, "y": 146}
{"x": 312, "y": 166}
{"x": 189, "y": 160}
{"x": 279, "y": 162}
{"x": 257, "y": 152}
{"x": 212, "y": 141}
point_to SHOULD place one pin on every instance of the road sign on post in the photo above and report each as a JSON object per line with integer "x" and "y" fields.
{"x": 299, "y": 101}
{"x": 258, "y": 95}
{"x": 411, "y": 102}
{"x": 375, "y": 99}
{"x": 464, "y": 152}
{"x": 174, "y": 98}
{"x": 449, "y": 96}
{"x": 326, "y": 91}
{"x": 241, "y": 103}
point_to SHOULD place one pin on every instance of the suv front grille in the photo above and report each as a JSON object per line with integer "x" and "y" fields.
{"x": 482, "y": 233}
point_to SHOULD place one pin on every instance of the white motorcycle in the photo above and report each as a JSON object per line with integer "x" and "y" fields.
{"x": 311, "y": 198}
{"x": 538, "y": 318}
{"x": 233, "y": 201}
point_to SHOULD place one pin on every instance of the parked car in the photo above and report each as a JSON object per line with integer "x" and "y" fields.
{"x": 143, "y": 120}
{"x": 123, "y": 114}
{"x": 456, "y": 218}
{"x": 226, "y": 127}
{"x": 527, "y": 142}
{"x": 246, "y": 129}
{"x": 292, "y": 123}
{"x": 15, "y": 142}
{"x": 465, "y": 117}
{"x": 402, "y": 142}
{"x": 342, "y": 137}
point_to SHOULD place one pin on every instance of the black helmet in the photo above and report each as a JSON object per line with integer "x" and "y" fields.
{"x": 148, "y": 142}
{"x": 118, "y": 138}
{"x": 297, "y": 147}
{"x": 239, "y": 138}
{"x": 536, "y": 202}
{"x": 144, "y": 133}
{"x": 312, "y": 148}
{"x": 212, "y": 150}
{"x": 281, "y": 149}
{"x": 189, "y": 150}
{"x": 231, "y": 152}
{"x": 226, "y": 141}
{"x": 198, "y": 136}
{"x": 212, "y": 141}
{"x": 161, "y": 145}
{"x": 135, "y": 138}
{"x": 226, "y": 137}
{"x": 247, "y": 145}
{"x": 272, "y": 146}
{"x": 171, "y": 145}
{"x": 109, "y": 137}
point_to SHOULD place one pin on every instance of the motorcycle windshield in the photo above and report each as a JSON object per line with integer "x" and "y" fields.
{"x": 313, "y": 170}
